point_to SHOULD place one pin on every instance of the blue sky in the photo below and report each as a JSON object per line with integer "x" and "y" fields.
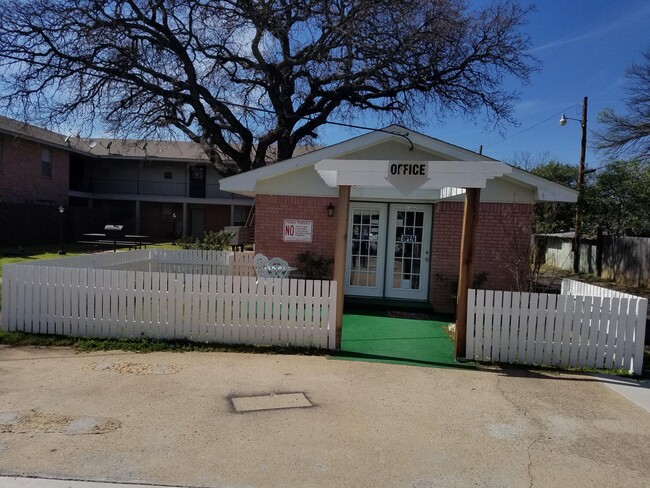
{"x": 585, "y": 47}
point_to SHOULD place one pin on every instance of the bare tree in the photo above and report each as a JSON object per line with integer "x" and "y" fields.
{"x": 528, "y": 160}
{"x": 629, "y": 135}
{"x": 250, "y": 79}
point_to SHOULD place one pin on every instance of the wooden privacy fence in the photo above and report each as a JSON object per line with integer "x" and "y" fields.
{"x": 624, "y": 259}
{"x": 585, "y": 326}
{"x": 124, "y": 303}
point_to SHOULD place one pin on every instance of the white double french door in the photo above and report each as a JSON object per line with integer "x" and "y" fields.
{"x": 388, "y": 250}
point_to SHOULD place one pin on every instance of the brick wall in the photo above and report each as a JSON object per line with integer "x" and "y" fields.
{"x": 502, "y": 248}
{"x": 502, "y": 244}
{"x": 21, "y": 179}
{"x": 272, "y": 210}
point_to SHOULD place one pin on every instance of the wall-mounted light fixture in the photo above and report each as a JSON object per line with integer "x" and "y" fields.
{"x": 330, "y": 210}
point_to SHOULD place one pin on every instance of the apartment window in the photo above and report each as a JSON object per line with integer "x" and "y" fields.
{"x": 167, "y": 174}
{"x": 46, "y": 163}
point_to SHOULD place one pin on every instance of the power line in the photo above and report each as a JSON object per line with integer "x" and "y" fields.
{"x": 533, "y": 126}
{"x": 330, "y": 122}
{"x": 549, "y": 118}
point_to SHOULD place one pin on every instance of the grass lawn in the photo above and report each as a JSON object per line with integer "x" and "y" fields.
{"x": 35, "y": 253}
{"x": 21, "y": 339}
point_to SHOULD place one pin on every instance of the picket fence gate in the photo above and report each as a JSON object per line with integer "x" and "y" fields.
{"x": 211, "y": 308}
{"x": 585, "y": 326}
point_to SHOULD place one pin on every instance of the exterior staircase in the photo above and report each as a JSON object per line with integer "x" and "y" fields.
{"x": 250, "y": 225}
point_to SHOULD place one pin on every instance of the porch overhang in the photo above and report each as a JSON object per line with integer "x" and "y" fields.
{"x": 447, "y": 176}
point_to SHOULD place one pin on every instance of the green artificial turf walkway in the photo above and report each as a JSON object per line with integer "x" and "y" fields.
{"x": 384, "y": 339}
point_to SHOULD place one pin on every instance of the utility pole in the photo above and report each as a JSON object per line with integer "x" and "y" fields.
{"x": 581, "y": 181}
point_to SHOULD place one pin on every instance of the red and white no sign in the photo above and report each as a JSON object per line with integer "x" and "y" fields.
{"x": 297, "y": 230}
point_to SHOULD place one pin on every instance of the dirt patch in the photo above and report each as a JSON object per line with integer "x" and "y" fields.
{"x": 550, "y": 281}
{"x": 450, "y": 330}
{"x": 127, "y": 367}
{"x": 48, "y": 423}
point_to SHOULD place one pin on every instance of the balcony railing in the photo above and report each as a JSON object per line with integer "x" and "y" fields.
{"x": 153, "y": 188}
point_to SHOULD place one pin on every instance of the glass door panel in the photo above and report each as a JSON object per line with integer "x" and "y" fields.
{"x": 366, "y": 249}
{"x": 408, "y": 251}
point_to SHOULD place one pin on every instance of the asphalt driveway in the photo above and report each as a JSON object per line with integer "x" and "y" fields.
{"x": 168, "y": 418}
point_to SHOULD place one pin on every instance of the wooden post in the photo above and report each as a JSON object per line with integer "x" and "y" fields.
{"x": 339, "y": 255}
{"x": 184, "y": 231}
{"x": 137, "y": 217}
{"x": 581, "y": 181}
{"x": 470, "y": 219}
{"x": 599, "y": 251}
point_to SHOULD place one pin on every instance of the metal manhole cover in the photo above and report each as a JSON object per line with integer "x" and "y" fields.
{"x": 270, "y": 402}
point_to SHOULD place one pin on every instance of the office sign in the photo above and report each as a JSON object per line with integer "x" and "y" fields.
{"x": 297, "y": 230}
{"x": 407, "y": 176}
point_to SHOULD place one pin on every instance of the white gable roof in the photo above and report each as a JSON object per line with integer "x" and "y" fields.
{"x": 245, "y": 183}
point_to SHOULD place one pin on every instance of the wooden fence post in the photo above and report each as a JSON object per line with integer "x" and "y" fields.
{"x": 470, "y": 220}
{"x": 339, "y": 256}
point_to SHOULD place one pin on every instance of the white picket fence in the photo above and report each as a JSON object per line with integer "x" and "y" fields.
{"x": 189, "y": 261}
{"x": 201, "y": 307}
{"x": 584, "y": 326}
{"x": 179, "y": 261}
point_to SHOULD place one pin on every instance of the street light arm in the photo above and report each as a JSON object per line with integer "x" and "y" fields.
{"x": 564, "y": 118}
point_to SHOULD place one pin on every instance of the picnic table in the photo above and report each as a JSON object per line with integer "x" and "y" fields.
{"x": 131, "y": 241}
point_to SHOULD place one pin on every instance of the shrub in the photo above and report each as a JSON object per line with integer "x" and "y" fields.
{"x": 212, "y": 241}
{"x": 314, "y": 268}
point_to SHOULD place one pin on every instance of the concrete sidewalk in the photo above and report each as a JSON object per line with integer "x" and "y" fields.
{"x": 637, "y": 391}
{"x": 15, "y": 482}
{"x": 169, "y": 419}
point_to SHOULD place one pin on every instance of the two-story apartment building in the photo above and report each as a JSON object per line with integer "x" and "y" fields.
{"x": 34, "y": 164}
{"x": 157, "y": 188}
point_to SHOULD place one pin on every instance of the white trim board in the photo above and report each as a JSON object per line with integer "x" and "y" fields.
{"x": 544, "y": 190}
